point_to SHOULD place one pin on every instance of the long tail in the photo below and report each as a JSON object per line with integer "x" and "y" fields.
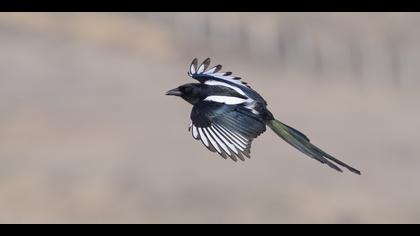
{"x": 303, "y": 144}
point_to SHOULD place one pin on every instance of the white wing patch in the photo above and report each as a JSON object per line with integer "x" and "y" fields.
{"x": 214, "y": 82}
{"x": 226, "y": 100}
{"x": 212, "y": 141}
{"x": 212, "y": 70}
{"x": 228, "y": 143}
{"x": 195, "y": 132}
{"x": 225, "y": 142}
{"x": 193, "y": 67}
{"x": 219, "y": 142}
{"x": 251, "y": 106}
{"x": 238, "y": 142}
{"x": 200, "y": 69}
{"x": 203, "y": 137}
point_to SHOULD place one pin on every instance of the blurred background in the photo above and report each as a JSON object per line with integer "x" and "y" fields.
{"x": 88, "y": 136}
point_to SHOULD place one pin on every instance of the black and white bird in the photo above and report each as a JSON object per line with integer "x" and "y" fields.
{"x": 227, "y": 115}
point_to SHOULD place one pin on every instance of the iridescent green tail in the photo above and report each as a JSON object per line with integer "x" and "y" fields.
{"x": 303, "y": 144}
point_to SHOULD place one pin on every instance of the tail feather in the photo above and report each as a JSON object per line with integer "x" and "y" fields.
{"x": 302, "y": 143}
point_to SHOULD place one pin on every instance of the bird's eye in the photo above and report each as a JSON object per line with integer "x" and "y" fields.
{"x": 187, "y": 90}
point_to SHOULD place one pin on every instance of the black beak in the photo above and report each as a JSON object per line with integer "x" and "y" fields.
{"x": 174, "y": 92}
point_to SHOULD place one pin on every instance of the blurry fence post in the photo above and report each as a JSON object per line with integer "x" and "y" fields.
{"x": 394, "y": 49}
{"x": 356, "y": 59}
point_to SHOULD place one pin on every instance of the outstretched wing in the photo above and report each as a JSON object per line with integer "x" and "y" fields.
{"x": 212, "y": 76}
{"x": 226, "y": 129}
{"x": 202, "y": 74}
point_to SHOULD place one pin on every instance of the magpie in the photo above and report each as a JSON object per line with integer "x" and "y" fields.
{"x": 227, "y": 115}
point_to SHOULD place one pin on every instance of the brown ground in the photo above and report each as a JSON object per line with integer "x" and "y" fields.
{"x": 87, "y": 136}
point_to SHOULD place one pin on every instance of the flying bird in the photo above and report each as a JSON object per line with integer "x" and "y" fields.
{"x": 227, "y": 115}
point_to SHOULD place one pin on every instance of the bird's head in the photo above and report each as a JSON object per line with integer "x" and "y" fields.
{"x": 189, "y": 92}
